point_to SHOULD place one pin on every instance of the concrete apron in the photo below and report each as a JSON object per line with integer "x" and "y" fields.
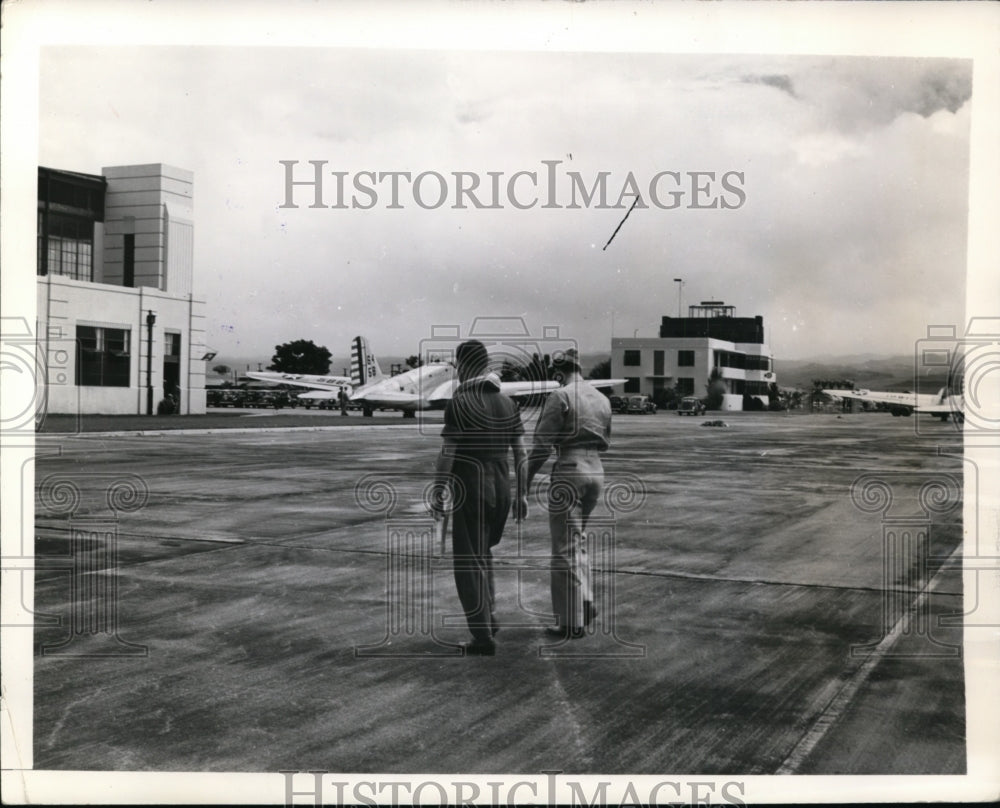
{"x": 261, "y": 622}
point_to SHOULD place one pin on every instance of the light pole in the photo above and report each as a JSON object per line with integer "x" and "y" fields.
{"x": 150, "y": 322}
{"x": 680, "y": 284}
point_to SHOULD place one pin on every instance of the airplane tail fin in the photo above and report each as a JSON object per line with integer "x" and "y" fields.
{"x": 364, "y": 365}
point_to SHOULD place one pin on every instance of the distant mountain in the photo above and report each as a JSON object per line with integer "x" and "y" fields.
{"x": 865, "y": 370}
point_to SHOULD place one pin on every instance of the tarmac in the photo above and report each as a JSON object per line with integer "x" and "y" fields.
{"x": 774, "y": 598}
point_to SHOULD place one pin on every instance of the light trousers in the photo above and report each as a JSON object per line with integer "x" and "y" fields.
{"x": 575, "y": 486}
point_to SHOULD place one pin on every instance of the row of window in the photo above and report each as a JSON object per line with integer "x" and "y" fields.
{"x": 104, "y": 355}
{"x": 684, "y": 386}
{"x": 732, "y": 359}
{"x": 748, "y": 388}
{"x": 685, "y": 359}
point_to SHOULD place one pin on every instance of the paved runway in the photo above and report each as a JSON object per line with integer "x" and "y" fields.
{"x": 259, "y": 601}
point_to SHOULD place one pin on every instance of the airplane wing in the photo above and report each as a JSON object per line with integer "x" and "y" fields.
{"x": 319, "y": 395}
{"x": 527, "y": 388}
{"x": 899, "y": 399}
{"x": 523, "y": 388}
{"x": 533, "y": 388}
{"x": 314, "y": 382}
{"x": 946, "y": 404}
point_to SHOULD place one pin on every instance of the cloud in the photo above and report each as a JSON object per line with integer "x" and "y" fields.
{"x": 856, "y": 173}
{"x": 779, "y": 82}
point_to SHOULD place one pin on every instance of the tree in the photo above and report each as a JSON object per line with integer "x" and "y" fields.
{"x": 774, "y": 402}
{"x": 300, "y": 356}
{"x": 817, "y": 398}
{"x": 602, "y": 370}
{"x": 667, "y": 398}
{"x": 414, "y": 361}
{"x": 222, "y": 370}
{"x": 716, "y": 389}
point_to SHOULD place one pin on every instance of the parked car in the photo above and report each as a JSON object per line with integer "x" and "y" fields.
{"x": 691, "y": 406}
{"x": 618, "y": 403}
{"x": 640, "y": 405}
{"x": 224, "y": 397}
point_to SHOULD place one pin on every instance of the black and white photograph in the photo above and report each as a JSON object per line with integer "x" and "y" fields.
{"x": 474, "y": 403}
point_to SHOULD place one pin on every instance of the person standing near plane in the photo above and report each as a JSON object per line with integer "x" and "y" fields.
{"x": 481, "y": 426}
{"x": 576, "y": 421}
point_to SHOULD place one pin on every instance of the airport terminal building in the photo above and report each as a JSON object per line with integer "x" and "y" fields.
{"x": 687, "y": 350}
{"x": 119, "y": 327}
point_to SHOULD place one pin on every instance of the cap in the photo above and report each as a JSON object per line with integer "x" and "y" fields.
{"x": 568, "y": 357}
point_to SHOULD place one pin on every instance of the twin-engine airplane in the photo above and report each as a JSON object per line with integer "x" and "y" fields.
{"x": 941, "y": 405}
{"x": 424, "y": 388}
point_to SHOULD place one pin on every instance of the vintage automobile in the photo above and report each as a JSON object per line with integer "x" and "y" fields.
{"x": 223, "y": 397}
{"x": 691, "y": 406}
{"x": 640, "y": 405}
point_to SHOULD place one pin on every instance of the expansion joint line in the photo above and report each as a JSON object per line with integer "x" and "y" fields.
{"x": 838, "y": 704}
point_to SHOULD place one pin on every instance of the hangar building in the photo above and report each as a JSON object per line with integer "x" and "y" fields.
{"x": 689, "y": 348}
{"x": 119, "y": 326}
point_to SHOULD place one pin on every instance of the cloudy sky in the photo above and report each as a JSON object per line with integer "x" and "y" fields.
{"x": 849, "y": 235}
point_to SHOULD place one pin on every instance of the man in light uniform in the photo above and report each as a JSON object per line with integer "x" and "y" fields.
{"x": 576, "y": 421}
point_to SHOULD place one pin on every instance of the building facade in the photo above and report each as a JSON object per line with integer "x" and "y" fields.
{"x": 688, "y": 349}
{"x": 119, "y": 328}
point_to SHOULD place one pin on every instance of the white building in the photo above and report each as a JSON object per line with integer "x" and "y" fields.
{"x": 689, "y": 348}
{"x": 119, "y": 327}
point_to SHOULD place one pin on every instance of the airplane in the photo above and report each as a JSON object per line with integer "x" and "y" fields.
{"x": 941, "y": 405}
{"x": 429, "y": 386}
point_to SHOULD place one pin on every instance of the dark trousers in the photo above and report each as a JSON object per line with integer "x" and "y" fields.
{"x": 481, "y": 492}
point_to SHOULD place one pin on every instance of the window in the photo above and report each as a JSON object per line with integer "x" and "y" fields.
{"x": 68, "y": 205}
{"x": 685, "y": 359}
{"x": 171, "y": 363}
{"x": 685, "y": 387}
{"x": 172, "y": 346}
{"x": 657, "y": 363}
{"x": 732, "y": 359}
{"x": 633, "y": 358}
{"x": 128, "y": 261}
{"x": 103, "y": 356}
{"x": 632, "y": 385}
{"x": 69, "y": 248}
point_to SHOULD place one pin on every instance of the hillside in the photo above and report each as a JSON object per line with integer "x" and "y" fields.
{"x": 867, "y": 371}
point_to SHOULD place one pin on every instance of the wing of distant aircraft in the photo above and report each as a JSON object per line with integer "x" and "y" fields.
{"x": 331, "y": 383}
{"x": 941, "y": 405}
{"x": 537, "y": 388}
{"x": 427, "y": 387}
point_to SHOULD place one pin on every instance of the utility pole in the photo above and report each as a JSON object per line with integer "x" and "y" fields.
{"x": 150, "y": 322}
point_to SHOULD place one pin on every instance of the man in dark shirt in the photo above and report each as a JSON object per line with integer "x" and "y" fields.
{"x": 480, "y": 427}
{"x": 576, "y": 421}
